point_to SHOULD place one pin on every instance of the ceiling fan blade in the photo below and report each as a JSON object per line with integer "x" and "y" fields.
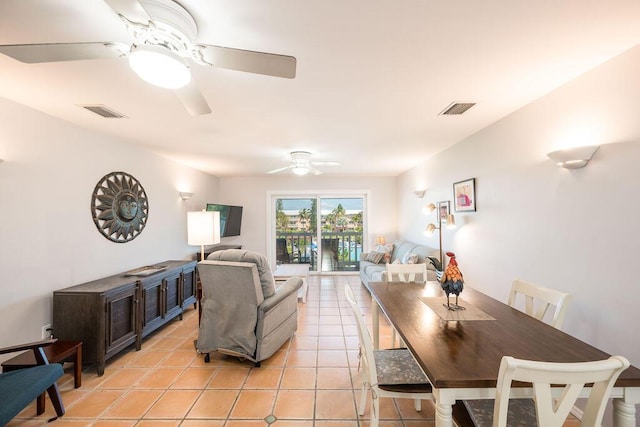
{"x": 281, "y": 169}
{"x": 58, "y": 52}
{"x": 193, "y": 100}
{"x": 315, "y": 171}
{"x": 130, "y": 9}
{"x": 269, "y": 64}
{"x": 327, "y": 163}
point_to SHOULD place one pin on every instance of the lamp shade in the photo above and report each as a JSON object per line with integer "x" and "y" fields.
{"x": 430, "y": 229}
{"x": 203, "y": 228}
{"x": 451, "y": 221}
{"x": 429, "y": 208}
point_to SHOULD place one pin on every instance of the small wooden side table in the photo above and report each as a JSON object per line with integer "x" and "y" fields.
{"x": 58, "y": 352}
{"x": 285, "y": 271}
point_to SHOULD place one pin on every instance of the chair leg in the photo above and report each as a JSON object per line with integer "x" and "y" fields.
{"x": 417, "y": 403}
{"x": 375, "y": 411}
{"x": 56, "y": 400}
{"x": 40, "y": 404}
{"x": 363, "y": 400}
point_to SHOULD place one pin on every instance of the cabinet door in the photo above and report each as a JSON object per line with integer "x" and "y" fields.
{"x": 152, "y": 304}
{"x": 173, "y": 295}
{"x": 122, "y": 309}
{"x": 189, "y": 283}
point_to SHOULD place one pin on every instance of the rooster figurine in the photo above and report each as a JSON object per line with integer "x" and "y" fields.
{"x": 452, "y": 282}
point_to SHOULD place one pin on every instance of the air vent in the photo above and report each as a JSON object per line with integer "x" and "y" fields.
{"x": 457, "y": 108}
{"x": 104, "y": 111}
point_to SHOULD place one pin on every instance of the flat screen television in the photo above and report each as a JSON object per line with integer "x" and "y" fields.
{"x": 230, "y": 218}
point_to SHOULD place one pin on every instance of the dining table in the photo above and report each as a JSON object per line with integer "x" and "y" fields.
{"x": 460, "y": 350}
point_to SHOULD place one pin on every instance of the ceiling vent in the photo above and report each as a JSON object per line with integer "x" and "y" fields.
{"x": 457, "y": 108}
{"x": 104, "y": 111}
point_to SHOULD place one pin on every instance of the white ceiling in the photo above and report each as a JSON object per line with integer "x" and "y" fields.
{"x": 372, "y": 76}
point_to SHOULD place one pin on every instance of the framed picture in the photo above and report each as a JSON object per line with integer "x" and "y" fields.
{"x": 464, "y": 195}
{"x": 443, "y": 210}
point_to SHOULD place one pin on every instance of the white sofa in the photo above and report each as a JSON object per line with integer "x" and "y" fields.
{"x": 372, "y": 272}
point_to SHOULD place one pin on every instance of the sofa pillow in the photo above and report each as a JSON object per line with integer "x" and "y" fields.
{"x": 386, "y": 250}
{"x": 375, "y": 257}
{"x": 409, "y": 258}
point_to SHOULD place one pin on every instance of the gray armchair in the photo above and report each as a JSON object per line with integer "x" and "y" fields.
{"x": 243, "y": 315}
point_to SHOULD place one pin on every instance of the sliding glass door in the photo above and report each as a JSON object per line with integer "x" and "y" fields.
{"x": 324, "y": 232}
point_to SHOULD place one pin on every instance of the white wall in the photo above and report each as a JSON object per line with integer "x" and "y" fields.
{"x": 577, "y": 231}
{"x": 48, "y": 239}
{"x": 251, "y": 193}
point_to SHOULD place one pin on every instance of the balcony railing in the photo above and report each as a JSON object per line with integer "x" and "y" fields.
{"x": 340, "y": 250}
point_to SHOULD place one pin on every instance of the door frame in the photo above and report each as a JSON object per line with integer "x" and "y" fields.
{"x": 272, "y": 196}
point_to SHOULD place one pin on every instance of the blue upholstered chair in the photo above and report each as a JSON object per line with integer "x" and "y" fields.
{"x": 21, "y": 387}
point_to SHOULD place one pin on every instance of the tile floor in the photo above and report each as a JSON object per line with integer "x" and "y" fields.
{"x": 311, "y": 381}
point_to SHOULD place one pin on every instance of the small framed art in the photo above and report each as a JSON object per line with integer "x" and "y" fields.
{"x": 464, "y": 195}
{"x": 443, "y": 211}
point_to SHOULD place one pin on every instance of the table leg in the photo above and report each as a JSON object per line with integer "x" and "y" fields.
{"x": 624, "y": 414}
{"x": 444, "y": 407}
{"x": 375, "y": 319}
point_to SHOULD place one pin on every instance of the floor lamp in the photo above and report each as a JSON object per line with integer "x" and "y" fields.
{"x": 203, "y": 228}
{"x": 451, "y": 223}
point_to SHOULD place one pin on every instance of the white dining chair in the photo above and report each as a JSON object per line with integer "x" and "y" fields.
{"x": 539, "y": 301}
{"x": 552, "y": 409}
{"x": 404, "y": 273}
{"x": 390, "y": 373}
{"x": 544, "y": 304}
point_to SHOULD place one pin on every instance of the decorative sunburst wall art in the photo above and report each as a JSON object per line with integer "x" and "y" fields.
{"x": 119, "y": 207}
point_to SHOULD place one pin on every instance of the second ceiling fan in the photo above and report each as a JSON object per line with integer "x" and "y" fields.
{"x": 163, "y": 47}
{"x": 301, "y": 164}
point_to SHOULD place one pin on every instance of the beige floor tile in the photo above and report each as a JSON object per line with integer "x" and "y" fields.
{"x": 335, "y": 404}
{"x": 298, "y": 378}
{"x": 229, "y": 378}
{"x": 160, "y": 378}
{"x": 295, "y": 404}
{"x": 173, "y": 404}
{"x": 330, "y": 330}
{"x": 263, "y": 378}
{"x": 133, "y": 404}
{"x": 292, "y": 423}
{"x": 336, "y": 423}
{"x": 213, "y": 404}
{"x": 304, "y": 343}
{"x": 408, "y": 411}
{"x": 181, "y": 358}
{"x": 279, "y": 358}
{"x": 148, "y": 359}
{"x": 253, "y": 404}
{"x": 93, "y": 404}
{"x": 334, "y": 378}
{"x": 324, "y": 319}
{"x": 114, "y": 423}
{"x": 202, "y": 423}
{"x": 158, "y": 423}
{"x": 124, "y": 378}
{"x": 194, "y": 378}
{"x": 332, "y": 358}
{"x": 247, "y": 423}
{"x": 331, "y": 343}
{"x": 302, "y": 358}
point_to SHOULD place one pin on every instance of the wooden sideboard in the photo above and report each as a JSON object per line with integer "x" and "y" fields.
{"x": 112, "y": 313}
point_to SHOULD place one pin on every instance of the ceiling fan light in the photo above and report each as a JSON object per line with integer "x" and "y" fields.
{"x": 159, "y": 66}
{"x": 300, "y": 170}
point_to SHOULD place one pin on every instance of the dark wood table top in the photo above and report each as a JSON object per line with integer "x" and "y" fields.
{"x": 467, "y": 354}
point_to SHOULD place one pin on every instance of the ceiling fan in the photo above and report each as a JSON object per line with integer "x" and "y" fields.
{"x": 301, "y": 164}
{"x": 163, "y": 45}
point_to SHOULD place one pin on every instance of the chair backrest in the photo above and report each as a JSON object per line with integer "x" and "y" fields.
{"x": 552, "y": 411}
{"x": 406, "y": 272}
{"x": 366, "y": 345}
{"x": 539, "y": 300}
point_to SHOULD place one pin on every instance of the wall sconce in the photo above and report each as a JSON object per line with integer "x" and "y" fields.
{"x": 184, "y": 195}
{"x": 431, "y": 228}
{"x": 419, "y": 193}
{"x": 573, "y": 158}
